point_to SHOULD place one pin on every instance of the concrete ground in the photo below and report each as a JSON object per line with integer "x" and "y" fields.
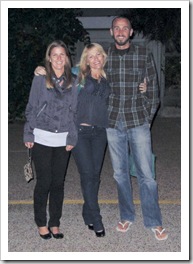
{"x": 79, "y": 243}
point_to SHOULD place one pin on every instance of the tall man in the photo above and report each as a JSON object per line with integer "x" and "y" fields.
{"x": 130, "y": 115}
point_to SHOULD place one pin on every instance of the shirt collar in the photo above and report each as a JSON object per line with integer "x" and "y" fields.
{"x": 131, "y": 49}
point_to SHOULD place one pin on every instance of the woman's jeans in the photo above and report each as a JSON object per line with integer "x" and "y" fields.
{"x": 137, "y": 140}
{"x": 89, "y": 154}
{"x": 50, "y": 164}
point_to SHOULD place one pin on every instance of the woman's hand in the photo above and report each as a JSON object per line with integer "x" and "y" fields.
{"x": 40, "y": 70}
{"x": 29, "y": 144}
{"x": 69, "y": 147}
{"x": 143, "y": 86}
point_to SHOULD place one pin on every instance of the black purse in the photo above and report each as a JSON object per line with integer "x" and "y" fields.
{"x": 29, "y": 169}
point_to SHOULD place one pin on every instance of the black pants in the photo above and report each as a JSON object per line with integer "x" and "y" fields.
{"x": 51, "y": 164}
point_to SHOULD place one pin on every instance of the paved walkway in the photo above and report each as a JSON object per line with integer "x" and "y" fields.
{"x": 79, "y": 243}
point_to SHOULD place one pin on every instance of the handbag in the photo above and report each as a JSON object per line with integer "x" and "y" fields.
{"x": 132, "y": 168}
{"x": 29, "y": 169}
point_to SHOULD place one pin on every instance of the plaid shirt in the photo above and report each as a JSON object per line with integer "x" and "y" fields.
{"x": 125, "y": 73}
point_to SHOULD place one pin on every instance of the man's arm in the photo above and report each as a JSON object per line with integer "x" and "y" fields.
{"x": 152, "y": 84}
{"x": 40, "y": 70}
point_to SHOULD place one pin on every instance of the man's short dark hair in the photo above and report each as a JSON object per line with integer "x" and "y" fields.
{"x": 123, "y": 17}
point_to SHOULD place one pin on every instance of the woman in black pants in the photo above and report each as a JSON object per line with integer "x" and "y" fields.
{"x": 51, "y": 131}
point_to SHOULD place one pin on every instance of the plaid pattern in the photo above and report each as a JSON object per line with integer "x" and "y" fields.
{"x": 125, "y": 73}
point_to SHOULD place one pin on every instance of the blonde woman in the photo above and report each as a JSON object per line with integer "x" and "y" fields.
{"x": 92, "y": 121}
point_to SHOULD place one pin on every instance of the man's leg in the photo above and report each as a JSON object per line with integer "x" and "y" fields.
{"x": 118, "y": 147}
{"x": 141, "y": 150}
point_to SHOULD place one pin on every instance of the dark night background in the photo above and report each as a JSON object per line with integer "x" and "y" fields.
{"x": 30, "y": 30}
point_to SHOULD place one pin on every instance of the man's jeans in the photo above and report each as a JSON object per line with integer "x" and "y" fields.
{"x": 138, "y": 141}
{"x": 89, "y": 155}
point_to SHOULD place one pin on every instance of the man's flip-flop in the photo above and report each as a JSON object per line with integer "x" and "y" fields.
{"x": 158, "y": 234}
{"x": 123, "y": 226}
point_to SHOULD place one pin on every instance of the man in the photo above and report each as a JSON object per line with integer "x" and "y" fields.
{"x": 130, "y": 115}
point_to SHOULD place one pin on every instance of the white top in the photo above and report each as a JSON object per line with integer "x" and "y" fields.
{"x": 49, "y": 139}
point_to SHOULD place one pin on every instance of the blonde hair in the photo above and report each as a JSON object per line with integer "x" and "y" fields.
{"x": 48, "y": 65}
{"x": 84, "y": 68}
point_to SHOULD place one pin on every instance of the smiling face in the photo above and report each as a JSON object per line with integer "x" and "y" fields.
{"x": 121, "y": 32}
{"x": 95, "y": 59}
{"x": 58, "y": 58}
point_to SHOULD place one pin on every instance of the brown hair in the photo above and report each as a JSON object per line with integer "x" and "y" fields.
{"x": 48, "y": 66}
{"x": 121, "y": 17}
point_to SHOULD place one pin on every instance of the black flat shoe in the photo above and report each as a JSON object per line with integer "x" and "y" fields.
{"x": 91, "y": 227}
{"x": 46, "y": 236}
{"x": 100, "y": 233}
{"x": 57, "y": 236}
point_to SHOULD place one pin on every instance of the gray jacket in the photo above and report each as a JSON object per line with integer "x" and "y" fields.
{"x": 52, "y": 110}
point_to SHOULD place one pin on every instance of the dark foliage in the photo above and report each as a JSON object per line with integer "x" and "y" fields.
{"x": 160, "y": 24}
{"x": 30, "y": 30}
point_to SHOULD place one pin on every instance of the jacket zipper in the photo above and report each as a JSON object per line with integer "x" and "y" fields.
{"x": 41, "y": 109}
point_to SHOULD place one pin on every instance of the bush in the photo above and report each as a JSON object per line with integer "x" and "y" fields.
{"x": 30, "y": 30}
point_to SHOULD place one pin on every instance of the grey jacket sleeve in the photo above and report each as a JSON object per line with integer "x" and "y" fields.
{"x": 31, "y": 108}
{"x": 73, "y": 132}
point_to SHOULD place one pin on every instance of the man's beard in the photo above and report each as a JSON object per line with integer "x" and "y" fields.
{"x": 120, "y": 43}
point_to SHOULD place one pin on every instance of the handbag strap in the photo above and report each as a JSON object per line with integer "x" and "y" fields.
{"x": 29, "y": 152}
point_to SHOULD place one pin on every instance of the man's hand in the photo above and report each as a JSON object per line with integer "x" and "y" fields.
{"x": 143, "y": 86}
{"x": 40, "y": 70}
